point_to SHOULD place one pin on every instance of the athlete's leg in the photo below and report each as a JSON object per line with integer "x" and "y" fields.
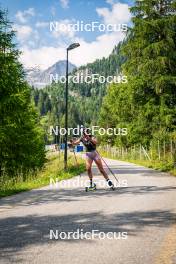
{"x": 89, "y": 169}
{"x": 101, "y": 169}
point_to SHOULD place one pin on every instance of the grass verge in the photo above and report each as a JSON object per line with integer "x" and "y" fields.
{"x": 53, "y": 168}
{"x": 163, "y": 165}
{"x": 157, "y": 165}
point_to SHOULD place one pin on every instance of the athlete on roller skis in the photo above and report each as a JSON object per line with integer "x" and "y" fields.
{"x": 90, "y": 143}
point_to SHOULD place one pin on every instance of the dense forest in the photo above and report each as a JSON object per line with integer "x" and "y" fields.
{"x": 146, "y": 105}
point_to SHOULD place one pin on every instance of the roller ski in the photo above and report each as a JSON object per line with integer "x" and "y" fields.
{"x": 110, "y": 185}
{"x": 91, "y": 188}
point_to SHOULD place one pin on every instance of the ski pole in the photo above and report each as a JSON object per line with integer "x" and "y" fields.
{"x": 72, "y": 146}
{"x": 77, "y": 164}
{"x": 108, "y": 167}
{"x": 76, "y": 160}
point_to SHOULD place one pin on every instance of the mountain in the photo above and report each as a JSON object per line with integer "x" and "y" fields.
{"x": 50, "y": 99}
{"x": 39, "y": 79}
{"x": 85, "y": 99}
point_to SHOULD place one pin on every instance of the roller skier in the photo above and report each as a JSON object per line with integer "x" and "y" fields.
{"x": 90, "y": 143}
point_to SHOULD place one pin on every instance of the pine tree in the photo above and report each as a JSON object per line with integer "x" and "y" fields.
{"x": 21, "y": 138}
{"x": 150, "y": 52}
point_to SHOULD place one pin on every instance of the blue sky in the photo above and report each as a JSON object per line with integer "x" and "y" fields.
{"x": 42, "y": 47}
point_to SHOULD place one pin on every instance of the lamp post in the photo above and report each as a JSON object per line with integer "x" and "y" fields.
{"x": 72, "y": 46}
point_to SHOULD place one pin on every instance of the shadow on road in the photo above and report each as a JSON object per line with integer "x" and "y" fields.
{"x": 43, "y": 196}
{"x": 19, "y": 232}
{"x": 142, "y": 171}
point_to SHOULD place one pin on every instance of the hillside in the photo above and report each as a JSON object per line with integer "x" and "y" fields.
{"x": 84, "y": 99}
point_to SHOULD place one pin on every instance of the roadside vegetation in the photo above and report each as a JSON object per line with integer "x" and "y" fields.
{"x": 53, "y": 169}
{"x": 165, "y": 162}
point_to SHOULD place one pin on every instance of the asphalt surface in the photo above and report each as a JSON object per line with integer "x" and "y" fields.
{"x": 141, "y": 213}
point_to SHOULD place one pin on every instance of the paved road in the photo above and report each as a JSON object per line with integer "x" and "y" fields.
{"x": 144, "y": 210}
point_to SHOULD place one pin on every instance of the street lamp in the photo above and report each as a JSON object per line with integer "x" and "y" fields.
{"x": 72, "y": 46}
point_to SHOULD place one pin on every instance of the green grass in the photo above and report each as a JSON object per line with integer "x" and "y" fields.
{"x": 157, "y": 165}
{"x": 53, "y": 168}
{"x": 161, "y": 165}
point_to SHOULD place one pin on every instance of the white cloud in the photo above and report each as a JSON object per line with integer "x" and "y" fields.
{"x": 44, "y": 57}
{"x": 87, "y": 52}
{"x": 64, "y": 3}
{"x": 119, "y": 14}
{"x": 111, "y": 2}
{"x": 22, "y": 16}
{"x": 23, "y": 32}
{"x": 63, "y": 29}
{"x": 41, "y": 24}
{"x": 53, "y": 11}
{"x": 90, "y": 51}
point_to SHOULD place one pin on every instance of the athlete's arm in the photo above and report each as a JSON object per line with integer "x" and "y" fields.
{"x": 75, "y": 142}
{"x": 94, "y": 140}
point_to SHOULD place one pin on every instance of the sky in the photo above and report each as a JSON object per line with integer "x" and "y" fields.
{"x": 43, "y": 43}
